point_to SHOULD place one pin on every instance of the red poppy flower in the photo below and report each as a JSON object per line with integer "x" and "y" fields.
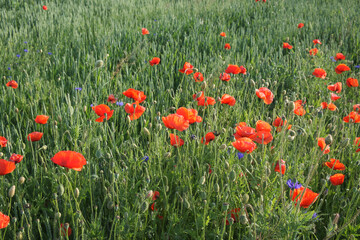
{"x": 316, "y": 41}
{"x": 210, "y": 170}
{"x": 3, "y": 141}
{"x": 112, "y": 99}
{"x": 176, "y": 121}
{"x": 227, "y": 99}
{"x": 16, "y": 158}
{"x": 283, "y": 166}
{"x": 4, "y": 220}
{"x": 44, "y": 7}
{"x": 227, "y": 46}
{"x": 319, "y": 73}
{"x": 337, "y": 87}
{"x": 263, "y": 126}
{"x": 206, "y": 101}
{"x": 278, "y": 122}
{"x": 262, "y": 137}
{"x": 41, "y": 119}
{"x": 300, "y": 25}
{"x": 12, "y": 84}
{"x": 307, "y": 198}
{"x": 299, "y": 110}
{"x": 6, "y": 167}
{"x": 137, "y": 95}
{"x": 235, "y": 69}
{"x": 63, "y": 230}
{"x": 244, "y": 131}
{"x": 287, "y": 46}
{"x": 324, "y": 148}
{"x": 134, "y": 113}
{"x": 352, "y": 82}
{"x": 234, "y": 215}
{"x": 337, "y": 179}
{"x": 208, "y": 138}
{"x": 339, "y": 56}
{"x": 69, "y": 159}
{"x": 244, "y": 144}
{"x": 144, "y": 31}
{"x": 357, "y": 142}
{"x": 187, "y": 68}
{"x": 199, "y": 97}
{"x": 353, "y": 117}
{"x": 34, "y": 136}
{"x": 154, "y": 61}
{"x": 222, "y": 34}
{"x": 198, "y": 77}
{"x": 189, "y": 115}
{"x": 156, "y": 195}
{"x": 341, "y": 68}
{"x": 102, "y": 110}
{"x": 334, "y": 97}
{"x": 313, "y": 51}
{"x": 329, "y": 106}
{"x": 356, "y": 108}
{"x": 265, "y": 94}
{"x": 176, "y": 141}
{"x": 335, "y": 164}
{"x": 224, "y": 77}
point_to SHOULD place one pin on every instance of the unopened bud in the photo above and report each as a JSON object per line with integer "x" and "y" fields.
{"x": 168, "y": 154}
{"x": 61, "y": 190}
{"x": 203, "y": 85}
{"x": 77, "y": 192}
{"x": 85, "y": 108}
{"x": 128, "y": 119}
{"x": 202, "y": 180}
{"x": 199, "y": 94}
{"x": 225, "y": 206}
{"x": 11, "y": 192}
{"x": 232, "y": 176}
{"x": 21, "y": 180}
{"x": 146, "y": 131}
{"x": 16, "y": 110}
{"x": 99, "y": 63}
{"x": 223, "y": 147}
{"x": 58, "y": 215}
{"x": 227, "y": 165}
{"x": 149, "y": 194}
{"x": 328, "y": 139}
{"x": 252, "y": 82}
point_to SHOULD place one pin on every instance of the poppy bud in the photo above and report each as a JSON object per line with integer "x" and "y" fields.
{"x": 16, "y": 110}
{"x": 77, "y": 192}
{"x": 159, "y": 114}
{"x": 41, "y": 50}
{"x": 202, "y": 180}
{"x": 159, "y": 126}
{"x": 11, "y": 192}
{"x": 218, "y": 99}
{"x": 287, "y": 39}
{"x": 146, "y": 131}
{"x": 292, "y": 133}
{"x": 58, "y": 215}
{"x": 227, "y": 165}
{"x": 43, "y": 148}
{"x": 252, "y": 82}
{"x": 21, "y": 180}
{"x": 223, "y": 147}
{"x": 99, "y": 63}
{"x": 232, "y": 176}
{"x": 291, "y": 138}
{"x": 310, "y": 121}
{"x": 1, "y": 154}
{"x": 216, "y": 187}
{"x": 168, "y": 154}
{"x": 320, "y": 114}
{"x": 19, "y": 235}
{"x": 85, "y": 108}
{"x": 128, "y": 119}
{"x": 59, "y": 118}
{"x": 225, "y": 206}
{"x": 213, "y": 86}
{"x": 61, "y": 190}
{"x": 230, "y": 220}
{"x": 223, "y": 130}
{"x": 284, "y": 92}
{"x": 290, "y": 106}
{"x": 186, "y": 203}
{"x": 150, "y": 194}
{"x": 245, "y": 198}
{"x": 328, "y": 139}
{"x": 150, "y": 125}
{"x": 336, "y": 219}
{"x": 198, "y": 94}
{"x": 55, "y": 122}
{"x": 267, "y": 84}
{"x": 344, "y": 142}
{"x": 275, "y": 82}
{"x": 243, "y": 219}
{"x": 203, "y": 85}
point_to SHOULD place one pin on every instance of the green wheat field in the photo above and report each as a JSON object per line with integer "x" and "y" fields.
{"x": 276, "y": 158}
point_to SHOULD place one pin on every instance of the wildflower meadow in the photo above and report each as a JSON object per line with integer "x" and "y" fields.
{"x": 179, "y": 119}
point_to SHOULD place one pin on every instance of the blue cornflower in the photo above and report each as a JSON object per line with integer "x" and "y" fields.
{"x": 119, "y": 103}
{"x": 50, "y": 53}
{"x": 91, "y": 105}
{"x": 25, "y": 50}
{"x": 240, "y": 155}
{"x": 155, "y": 20}
{"x": 314, "y": 215}
{"x": 292, "y": 185}
{"x": 78, "y": 88}
{"x": 193, "y": 137}
{"x": 9, "y": 68}
{"x": 145, "y": 159}
{"x": 154, "y": 34}
{"x": 25, "y": 42}
{"x": 357, "y": 66}
{"x": 18, "y": 55}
